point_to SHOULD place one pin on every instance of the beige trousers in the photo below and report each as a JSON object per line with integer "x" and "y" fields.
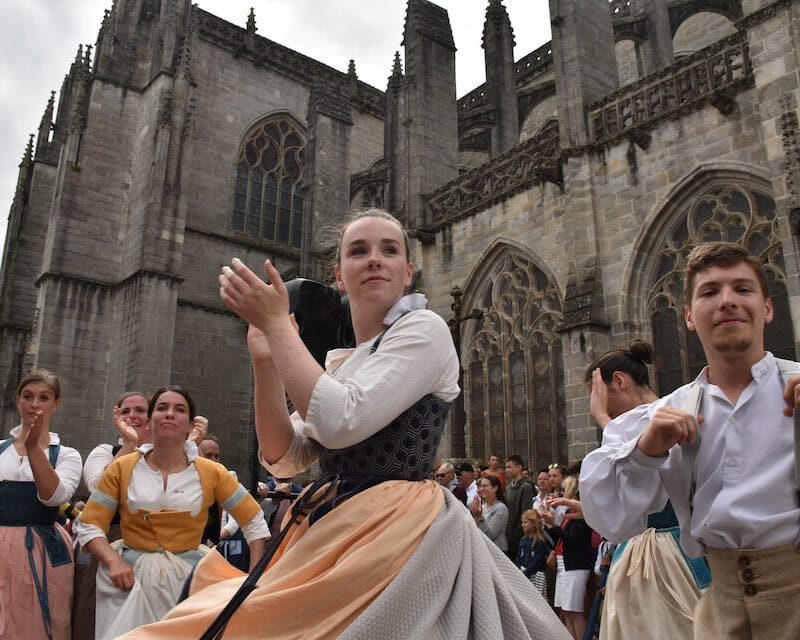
{"x": 754, "y": 595}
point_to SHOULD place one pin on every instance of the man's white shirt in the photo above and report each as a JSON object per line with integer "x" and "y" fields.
{"x": 744, "y": 471}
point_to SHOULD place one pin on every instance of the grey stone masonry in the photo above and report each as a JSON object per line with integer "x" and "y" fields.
{"x": 585, "y": 66}
{"x": 327, "y": 176}
{"x": 430, "y": 105}
{"x": 501, "y": 78}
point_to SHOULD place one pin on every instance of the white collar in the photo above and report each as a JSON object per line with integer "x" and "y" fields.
{"x": 411, "y": 302}
{"x": 189, "y": 448}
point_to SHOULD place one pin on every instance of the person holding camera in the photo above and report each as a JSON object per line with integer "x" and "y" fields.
{"x": 361, "y": 538}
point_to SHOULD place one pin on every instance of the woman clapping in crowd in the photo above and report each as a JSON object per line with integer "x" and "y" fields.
{"x": 489, "y": 510}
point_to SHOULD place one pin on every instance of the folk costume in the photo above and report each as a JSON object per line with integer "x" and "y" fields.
{"x": 358, "y": 560}
{"x": 733, "y": 493}
{"x": 36, "y": 569}
{"x": 161, "y": 531}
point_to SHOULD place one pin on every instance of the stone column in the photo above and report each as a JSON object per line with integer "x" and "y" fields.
{"x": 327, "y": 177}
{"x": 431, "y": 110}
{"x": 501, "y": 77}
{"x": 585, "y": 62}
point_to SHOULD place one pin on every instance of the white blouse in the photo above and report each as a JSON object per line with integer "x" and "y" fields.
{"x": 68, "y": 468}
{"x": 362, "y": 392}
{"x": 182, "y": 493}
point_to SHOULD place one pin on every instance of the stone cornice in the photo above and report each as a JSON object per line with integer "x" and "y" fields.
{"x": 248, "y": 241}
{"x": 200, "y": 306}
{"x": 272, "y": 55}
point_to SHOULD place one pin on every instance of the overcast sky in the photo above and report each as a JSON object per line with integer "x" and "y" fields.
{"x": 38, "y": 40}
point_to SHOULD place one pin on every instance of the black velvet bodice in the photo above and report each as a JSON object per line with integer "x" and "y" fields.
{"x": 402, "y": 450}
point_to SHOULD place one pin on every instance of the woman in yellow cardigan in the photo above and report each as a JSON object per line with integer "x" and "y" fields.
{"x": 163, "y": 492}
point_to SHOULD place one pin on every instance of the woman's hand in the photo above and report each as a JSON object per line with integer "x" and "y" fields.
{"x": 34, "y": 432}
{"x": 598, "y": 400}
{"x": 121, "y": 573}
{"x": 261, "y": 304}
{"x": 125, "y": 430}
{"x": 199, "y": 429}
{"x": 575, "y": 510}
{"x": 475, "y": 508}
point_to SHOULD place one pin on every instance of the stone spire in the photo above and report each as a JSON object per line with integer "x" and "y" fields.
{"x": 45, "y": 125}
{"x": 250, "y": 34}
{"x": 501, "y": 77}
{"x": 430, "y": 115}
{"x": 396, "y": 78}
{"x": 351, "y": 69}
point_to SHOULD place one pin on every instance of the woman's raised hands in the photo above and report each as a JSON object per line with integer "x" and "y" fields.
{"x": 260, "y": 303}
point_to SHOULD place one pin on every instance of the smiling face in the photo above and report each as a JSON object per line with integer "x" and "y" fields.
{"x": 35, "y": 397}
{"x": 133, "y": 410}
{"x": 373, "y": 266}
{"x": 170, "y": 418}
{"x": 543, "y": 482}
{"x": 486, "y": 490}
{"x": 729, "y": 310}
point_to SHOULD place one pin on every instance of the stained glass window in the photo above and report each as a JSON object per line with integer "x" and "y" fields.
{"x": 514, "y": 363}
{"x": 268, "y": 191}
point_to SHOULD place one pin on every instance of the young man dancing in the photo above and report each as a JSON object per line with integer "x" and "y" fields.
{"x": 722, "y": 449}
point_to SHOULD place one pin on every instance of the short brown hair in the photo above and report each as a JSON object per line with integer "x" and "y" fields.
{"x": 719, "y": 254}
{"x": 43, "y": 376}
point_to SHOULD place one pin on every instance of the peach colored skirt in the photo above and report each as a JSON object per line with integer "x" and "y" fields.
{"x": 20, "y": 611}
{"x": 321, "y": 577}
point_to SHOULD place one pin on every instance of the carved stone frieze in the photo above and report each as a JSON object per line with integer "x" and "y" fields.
{"x": 533, "y": 162}
{"x": 762, "y": 15}
{"x": 711, "y": 76}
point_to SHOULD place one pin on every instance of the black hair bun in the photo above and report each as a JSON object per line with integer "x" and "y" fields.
{"x": 641, "y": 351}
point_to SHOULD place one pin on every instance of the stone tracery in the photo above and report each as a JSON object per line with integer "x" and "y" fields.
{"x": 514, "y": 365}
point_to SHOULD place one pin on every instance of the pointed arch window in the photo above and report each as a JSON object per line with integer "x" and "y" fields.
{"x": 268, "y": 196}
{"x": 514, "y": 367}
{"x": 734, "y": 213}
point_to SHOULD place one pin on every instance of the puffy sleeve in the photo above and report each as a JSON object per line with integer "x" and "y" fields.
{"x": 95, "y": 519}
{"x": 416, "y": 357}
{"x": 620, "y": 485}
{"x": 96, "y": 462}
{"x": 68, "y": 469}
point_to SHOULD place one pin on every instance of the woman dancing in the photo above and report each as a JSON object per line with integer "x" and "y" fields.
{"x": 163, "y": 492}
{"x": 37, "y": 474}
{"x": 373, "y": 418}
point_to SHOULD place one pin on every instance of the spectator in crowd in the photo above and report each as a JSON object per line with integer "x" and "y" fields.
{"x": 534, "y": 547}
{"x": 466, "y": 489}
{"x": 519, "y": 497}
{"x": 283, "y": 491}
{"x": 542, "y": 488}
{"x": 556, "y": 474}
{"x": 620, "y": 382}
{"x": 496, "y": 470}
{"x": 446, "y": 476}
{"x": 489, "y": 511}
{"x": 157, "y": 489}
{"x": 526, "y": 473}
{"x": 209, "y": 448}
{"x": 574, "y": 558}
{"x": 37, "y": 474}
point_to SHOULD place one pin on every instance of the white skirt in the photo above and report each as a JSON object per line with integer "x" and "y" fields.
{"x": 159, "y": 579}
{"x": 570, "y": 587}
